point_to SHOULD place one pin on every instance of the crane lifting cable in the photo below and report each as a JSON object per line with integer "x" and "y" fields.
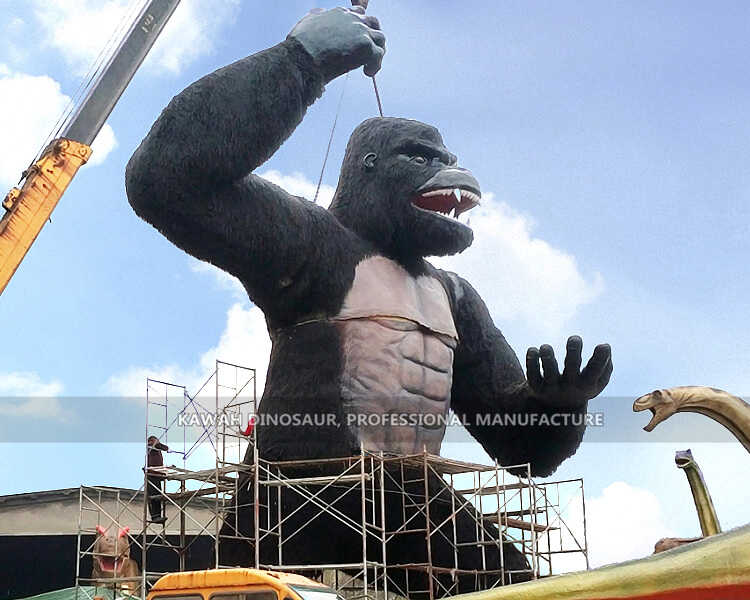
{"x": 363, "y": 5}
{"x": 29, "y": 207}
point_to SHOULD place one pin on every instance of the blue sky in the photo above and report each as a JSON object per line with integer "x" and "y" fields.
{"x": 610, "y": 139}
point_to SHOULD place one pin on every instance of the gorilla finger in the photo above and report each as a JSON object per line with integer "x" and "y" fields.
{"x": 373, "y": 65}
{"x": 533, "y": 374}
{"x": 573, "y": 357}
{"x": 377, "y": 37}
{"x": 594, "y": 369}
{"x": 604, "y": 379}
{"x": 372, "y": 22}
{"x": 549, "y": 364}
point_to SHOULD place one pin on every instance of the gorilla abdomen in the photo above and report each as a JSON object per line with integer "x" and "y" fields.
{"x": 396, "y": 384}
{"x": 397, "y": 336}
{"x": 386, "y": 356}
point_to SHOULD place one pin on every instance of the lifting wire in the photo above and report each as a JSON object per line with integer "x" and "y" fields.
{"x": 330, "y": 139}
{"x": 377, "y": 95}
{"x": 363, "y": 4}
{"x": 333, "y": 128}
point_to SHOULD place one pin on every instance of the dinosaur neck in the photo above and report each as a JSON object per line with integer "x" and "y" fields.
{"x": 703, "y": 503}
{"x": 732, "y": 412}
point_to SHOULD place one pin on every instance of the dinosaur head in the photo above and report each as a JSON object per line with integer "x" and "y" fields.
{"x": 111, "y": 551}
{"x": 660, "y": 403}
{"x": 684, "y": 458}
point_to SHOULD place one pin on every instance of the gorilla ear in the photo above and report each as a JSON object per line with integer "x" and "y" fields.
{"x": 369, "y": 160}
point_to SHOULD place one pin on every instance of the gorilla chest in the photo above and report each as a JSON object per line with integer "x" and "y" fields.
{"x": 398, "y": 337}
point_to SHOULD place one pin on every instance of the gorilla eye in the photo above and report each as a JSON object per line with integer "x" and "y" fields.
{"x": 420, "y": 160}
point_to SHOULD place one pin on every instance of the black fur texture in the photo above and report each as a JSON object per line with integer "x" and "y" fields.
{"x": 376, "y": 203}
{"x": 192, "y": 179}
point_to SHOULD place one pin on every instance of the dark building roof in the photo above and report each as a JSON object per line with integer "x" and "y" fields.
{"x": 38, "y": 497}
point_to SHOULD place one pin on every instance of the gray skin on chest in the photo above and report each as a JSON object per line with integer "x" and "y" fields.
{"x": 398, "y": 337}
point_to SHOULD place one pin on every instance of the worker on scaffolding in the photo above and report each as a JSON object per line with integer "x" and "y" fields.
{"x": 154, "y": 478}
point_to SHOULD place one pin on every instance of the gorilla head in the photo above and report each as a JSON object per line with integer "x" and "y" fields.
{"x": 401, "y": 190}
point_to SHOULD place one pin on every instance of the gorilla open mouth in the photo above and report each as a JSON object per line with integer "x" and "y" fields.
{"x": 452, "y": 202}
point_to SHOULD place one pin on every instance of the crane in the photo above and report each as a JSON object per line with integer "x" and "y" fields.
{"x": 28, "y": 207}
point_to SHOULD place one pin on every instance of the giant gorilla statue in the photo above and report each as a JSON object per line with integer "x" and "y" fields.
{"x": 361, "y": 323}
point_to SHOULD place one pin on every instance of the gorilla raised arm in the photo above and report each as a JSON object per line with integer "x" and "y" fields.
{"x": 191, "y": 176}
{"x": 363, "y": 328}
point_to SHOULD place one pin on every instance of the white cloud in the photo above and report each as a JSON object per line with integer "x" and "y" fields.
{"x": 623, "y": 523}
{"x": 47, "y": 408}
{"x": 80, "y": 30}
{"x": 14, "y": 49}
{"x": 30, "y": 106}
{"x": 26, "y": 395}
{"x": 191, "y": 32}
{"x": 521, "y": 277}
{"x": 27, "y": 384}
{"x": 15, "y": 24}
{"x": 104, "y": 143}
{"x": 244, "y": 341}
{"x": 299, "y": 185}
{"x": 222, "y": 279}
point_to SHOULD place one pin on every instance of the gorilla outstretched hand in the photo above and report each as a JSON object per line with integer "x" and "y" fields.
{"x": 574, "y": 387}
{"x": 340, "y": 40}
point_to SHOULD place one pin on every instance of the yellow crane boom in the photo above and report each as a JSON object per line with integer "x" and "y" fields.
{"x": 27, "y": 209}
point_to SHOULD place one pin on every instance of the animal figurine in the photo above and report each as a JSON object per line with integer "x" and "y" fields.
{"x": 112, "y": 559}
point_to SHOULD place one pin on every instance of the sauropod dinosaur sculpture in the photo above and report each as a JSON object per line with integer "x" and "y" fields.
{"x": 703, "y": 503}
{"x": 704, "y": 506}
{"x": 732, "y": 412}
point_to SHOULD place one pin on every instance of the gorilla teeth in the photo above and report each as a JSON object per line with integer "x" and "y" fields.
{"x": 445, "y": 192}
{"x": 473, "y": 198}
{"x": 459, "y": 194}
{"x": 451, "y": 202}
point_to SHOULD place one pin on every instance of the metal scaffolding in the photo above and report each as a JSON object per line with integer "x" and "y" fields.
{"x": 503, "y": 509}
{"x": 215, "y": 416}
{"x": 196, "y": 492}
{"x": 459, "y": 517}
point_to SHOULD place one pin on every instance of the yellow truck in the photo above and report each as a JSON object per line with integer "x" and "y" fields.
{"x": 239, "y": 584}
